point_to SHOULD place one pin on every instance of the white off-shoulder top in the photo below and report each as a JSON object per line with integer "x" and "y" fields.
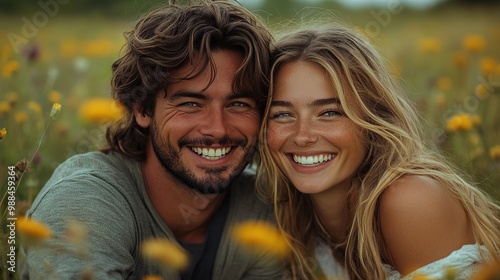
{"x": 464, "y": 262}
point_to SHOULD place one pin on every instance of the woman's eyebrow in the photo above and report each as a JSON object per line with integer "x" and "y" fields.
{"x": 281, "y": 103}
{"x": 326, "y": 101}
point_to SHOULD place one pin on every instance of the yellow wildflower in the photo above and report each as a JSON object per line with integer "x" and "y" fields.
{"x": 4, "y": 107}
{"x": 10, "y": 68}
{"x": 152, "y": 277}
{"x": 100, "y": 109}
{"x": 495, "y": 152}
{"x": 54, "y": 96}
{"x": 444, "y": 83}
{"x": 460, "y": 60}
{"x": 488, "y": 66}
{"x": 261, "y": 237}
{"x": 450, "y": 273}
{"x": 98, "y": 48}
{"x": 35, "y": 107}
{"x": 429, "y": 45}
{"x": 421, "y": 277}
{"x": 32, "y": 228}
{"x": 459, "y": 122}
{"x": 21, "y": 117}
{"x": 482, "y": 91}
{"x": 474, "y": 43}
{"x": 56, "y": 108}
{"x": 3, "y": 132}
{"x": 165, "y": 252}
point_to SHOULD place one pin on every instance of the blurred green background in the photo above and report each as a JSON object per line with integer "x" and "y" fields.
{"x": 446, "y": 54}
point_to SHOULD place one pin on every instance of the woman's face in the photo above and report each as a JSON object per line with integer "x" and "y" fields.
{"x": 316, "y": 146}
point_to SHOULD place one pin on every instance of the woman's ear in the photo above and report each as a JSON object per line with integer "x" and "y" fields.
{"x": 142, "y": 119}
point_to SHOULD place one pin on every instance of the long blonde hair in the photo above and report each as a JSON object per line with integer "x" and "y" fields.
{"x": 396, "y": 147}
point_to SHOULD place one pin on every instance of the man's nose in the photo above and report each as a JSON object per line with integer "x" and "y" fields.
{"x": 214, "y": 123}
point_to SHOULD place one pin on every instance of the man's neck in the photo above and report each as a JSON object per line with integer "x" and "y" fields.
{"x": 185, "y": 211}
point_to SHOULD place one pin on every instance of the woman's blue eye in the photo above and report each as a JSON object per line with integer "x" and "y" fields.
{"x": 331, "y": 113}
{"x": 280, "y": 115}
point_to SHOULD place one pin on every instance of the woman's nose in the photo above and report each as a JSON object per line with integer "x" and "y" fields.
{"x": 304, "y": 134}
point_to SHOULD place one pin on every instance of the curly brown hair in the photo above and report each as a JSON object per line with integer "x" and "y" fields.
{"x": 166, "y": 39}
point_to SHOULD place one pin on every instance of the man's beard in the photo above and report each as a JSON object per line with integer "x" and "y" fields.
{"x": 170, "y": 159}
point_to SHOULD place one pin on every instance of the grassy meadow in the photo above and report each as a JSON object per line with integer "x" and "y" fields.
{"x": 448, "y": 60}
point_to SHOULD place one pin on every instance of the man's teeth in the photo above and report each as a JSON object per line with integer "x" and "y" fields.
{"x": 312, "y": 160}
{"x": 211, "y": 153}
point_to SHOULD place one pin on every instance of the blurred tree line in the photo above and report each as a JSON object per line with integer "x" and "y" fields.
{"x": 116, "y": 8}
{"x": 131, "y": 8}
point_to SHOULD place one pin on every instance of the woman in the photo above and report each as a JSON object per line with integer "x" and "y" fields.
{"x": 347, "y": 168}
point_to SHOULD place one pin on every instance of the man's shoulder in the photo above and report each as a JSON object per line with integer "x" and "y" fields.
{"x": 92, "y": 164}
{"x": 95, "y": 160}
{"x": 94, "y": 171}
{"x": 85, "y": 178}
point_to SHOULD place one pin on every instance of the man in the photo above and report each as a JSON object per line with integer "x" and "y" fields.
{"x": 193, "y": 80}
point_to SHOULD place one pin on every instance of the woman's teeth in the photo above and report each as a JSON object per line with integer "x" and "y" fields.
{"x": 312, "y": 160}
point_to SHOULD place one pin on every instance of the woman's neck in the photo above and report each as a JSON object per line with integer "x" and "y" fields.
{"x": 332, "y": 209}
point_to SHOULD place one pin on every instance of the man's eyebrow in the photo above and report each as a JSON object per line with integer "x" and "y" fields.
{"x": 186, "y": 94}
{"x": 315, "y": 103}
{"x": 201, "y": 96}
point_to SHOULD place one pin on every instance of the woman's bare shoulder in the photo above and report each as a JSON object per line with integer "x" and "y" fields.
{"x": 421, "y": 222}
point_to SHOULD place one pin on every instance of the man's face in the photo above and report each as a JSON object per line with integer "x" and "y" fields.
{"x": 205, "y": 137}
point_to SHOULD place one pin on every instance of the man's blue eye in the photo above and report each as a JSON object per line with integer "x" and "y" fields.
{"x": 240, "y": 104}
{"x": 189, "y": 104}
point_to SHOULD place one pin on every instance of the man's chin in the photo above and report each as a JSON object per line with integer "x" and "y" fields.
{"x": 215, "y": 182}
{"x": 210, "y": 190}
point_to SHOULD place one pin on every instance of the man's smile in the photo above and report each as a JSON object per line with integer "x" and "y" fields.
{"x": 211, "y": 153}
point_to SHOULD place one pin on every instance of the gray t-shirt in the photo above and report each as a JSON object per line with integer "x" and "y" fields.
{"x": 106, "y": 193}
